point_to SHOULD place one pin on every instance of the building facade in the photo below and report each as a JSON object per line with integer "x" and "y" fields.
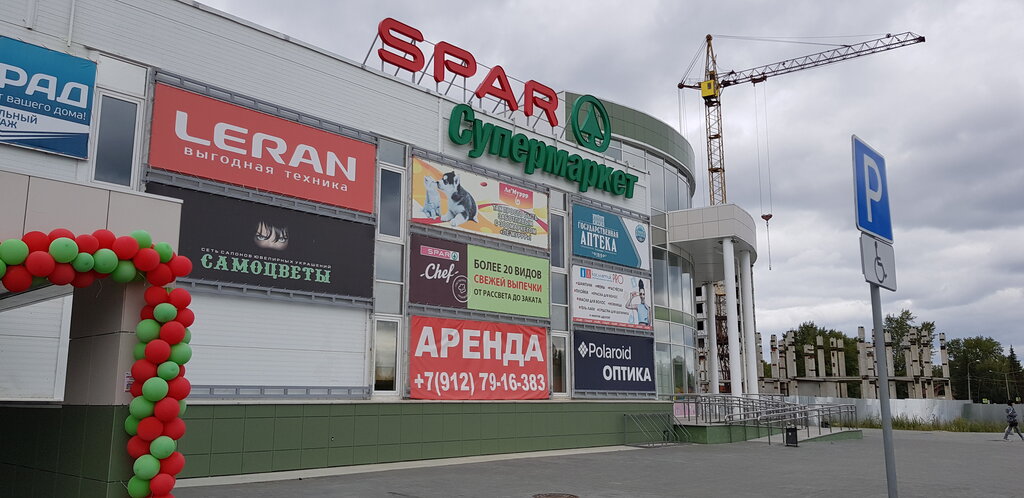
{"x": 393, "y": 259}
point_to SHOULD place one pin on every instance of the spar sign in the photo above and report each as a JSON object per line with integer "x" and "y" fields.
{"x": 454, "y": 359}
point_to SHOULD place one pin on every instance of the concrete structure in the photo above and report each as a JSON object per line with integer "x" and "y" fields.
{"x": 308, "y": 188}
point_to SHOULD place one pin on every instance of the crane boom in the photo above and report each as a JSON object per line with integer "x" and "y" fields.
{"x": 713, "y": 83}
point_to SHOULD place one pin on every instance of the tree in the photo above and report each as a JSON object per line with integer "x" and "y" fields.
{"x": 807, "y": 333}
{"x": 981, "y": 355}
{"x": 898, "y": 326}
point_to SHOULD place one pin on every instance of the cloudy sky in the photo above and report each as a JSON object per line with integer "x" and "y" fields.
{"x": 948, "y": 116}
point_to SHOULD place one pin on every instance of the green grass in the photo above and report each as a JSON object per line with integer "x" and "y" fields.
{"x": 959, "y": 424}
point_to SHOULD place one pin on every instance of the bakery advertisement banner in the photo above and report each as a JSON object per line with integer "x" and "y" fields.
{"x": 457, "y": 275}
{"x": 454, "y": 359}
{"x": 607, "y": 298}
{"x": 242, "y": 242}
{"x": 464, "y": 201}
{"x": 209, "y": 138}
{"x": 611, "y": 238}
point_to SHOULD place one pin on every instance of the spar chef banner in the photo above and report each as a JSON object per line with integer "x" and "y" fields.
{"x": 206, "y": 137}
{"x": 609, "y": 237}
{"x": 453, "y": 359}
{"x": 608, "y": 298}
{"x": 467, "y": 202}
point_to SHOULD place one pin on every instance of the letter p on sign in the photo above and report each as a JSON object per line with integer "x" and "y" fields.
{"x": 871, "y": 193}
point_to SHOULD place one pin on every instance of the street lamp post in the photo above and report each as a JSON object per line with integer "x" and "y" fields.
{"x": 969, "y": 397}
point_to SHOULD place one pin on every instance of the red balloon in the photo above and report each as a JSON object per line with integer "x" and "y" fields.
{"x": 180, "y": 265}
{"x": 146, "y": 312}
{"x": 154, "y": 295}
{"x": 172, "y": 332}
{"x": 160, "y": 276}
{"x": 136, "y": 388}
{"x": 181, "y": 371}
{"x": 175, "y": 429}
{"x": 180, "y": 298}
{"x": 173, "y": 464}
{"x": 83, "y": 279}
{"x": 161, "y": 484}
{"x": 137, "y": 447}
{"x": 150, "y": 428}
{"x": 105, "y": 237}
{"x": 125, "y": 247}
{"x": 143, "y": 370}
{"x": 157, "y": 351}
{"x": 146, "y": 259}
{"x": 40, "y": 263}
{"x": 186, "y": 317}
{"x": 57, "y": 233}
{"x": 17, "y": 278}
{"x": 166, "y": 409}
{"x": 178, "y": 388}
{"x": 62, "y": 274}
{"x": 87, "y": 243}
{"x": 36, "y": 241}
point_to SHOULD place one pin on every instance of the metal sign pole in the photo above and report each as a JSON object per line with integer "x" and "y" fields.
{"x": 883, "y": 392}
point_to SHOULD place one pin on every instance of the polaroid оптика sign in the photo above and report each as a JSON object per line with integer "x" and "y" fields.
{"x": 611, "y": 362}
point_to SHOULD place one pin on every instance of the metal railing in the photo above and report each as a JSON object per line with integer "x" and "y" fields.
{"x": 769, "y": 411}
{"x": 656, "y": 429}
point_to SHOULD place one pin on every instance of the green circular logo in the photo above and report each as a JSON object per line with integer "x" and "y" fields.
{"x": 591, "y": 134}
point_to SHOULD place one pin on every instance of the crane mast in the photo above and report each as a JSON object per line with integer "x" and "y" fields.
{"x": 711, "y": 91}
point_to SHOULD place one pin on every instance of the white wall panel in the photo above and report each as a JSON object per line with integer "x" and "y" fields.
{"x": 34, "y": 350}
{"x": 256, "y": 342}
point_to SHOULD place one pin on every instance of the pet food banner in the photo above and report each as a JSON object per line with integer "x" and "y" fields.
{"x": 608, "y": 298}
{"x": 459, "y": 200}
{"x": 453, "y": 359}
{"x": 457, "y": 275}
{"x": 242, "y": 242}
{"x": 609, "y": 237}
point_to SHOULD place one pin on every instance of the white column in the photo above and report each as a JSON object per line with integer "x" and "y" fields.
{"x": 749, "y": 334}
{"x": 711, "y": 328}
{"x": 732, "y": 321}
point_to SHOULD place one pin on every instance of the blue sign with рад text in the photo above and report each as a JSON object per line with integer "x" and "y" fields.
{"x": 46, "y": 98}
{"x": 871, "y": 191}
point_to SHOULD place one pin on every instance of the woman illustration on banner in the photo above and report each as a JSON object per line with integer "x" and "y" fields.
{"x": 643, "y": 312}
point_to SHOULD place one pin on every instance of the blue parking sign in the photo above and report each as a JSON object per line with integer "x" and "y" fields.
{"x": 871, "y": 192}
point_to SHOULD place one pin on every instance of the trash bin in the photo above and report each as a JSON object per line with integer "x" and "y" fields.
{"x": 790, "y": 436}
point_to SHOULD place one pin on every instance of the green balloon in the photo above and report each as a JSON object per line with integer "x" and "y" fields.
{"x": 168, "y": 370}
{"x": 139, "y": 488}
{"x": 155, "y": 389}
{"x": 131, "y": 425}
{"x": 165, "y": 251}
{"x": 83, "y": 262}
{"x": 165, "y": 312}
{"x": 63, "y": 250}
{"x": 139, "y": 351}
{"x": 188, "y": 336}
{"x": 162, "y": 447}
{"x": 147, "y": 330}
{"x": 140, "y": 407}
{"x": 105, "y": 261}
{"x": 143, "y": 238}
{"x": 13, "y": 251}
{"x": 124, "y": 273}
{"x": 3, "y": 268}
{"x": 182, "y": 405}
{"x": 181, "y": 353}
{"x": 146, "y": 467}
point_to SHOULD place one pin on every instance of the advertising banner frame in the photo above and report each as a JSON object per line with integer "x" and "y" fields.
{"x": 609, "y": 237}
{"x": 602, "y": 297}
{"x": 616, "y": 362}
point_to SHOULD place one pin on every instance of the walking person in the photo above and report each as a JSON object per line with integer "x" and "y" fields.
{"x": 1011, "y": 422}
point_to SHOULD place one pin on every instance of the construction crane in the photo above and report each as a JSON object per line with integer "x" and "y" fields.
{"x": 713, "y": 83}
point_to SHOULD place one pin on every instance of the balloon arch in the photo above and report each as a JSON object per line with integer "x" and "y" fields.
{"x": 160, "y": 387}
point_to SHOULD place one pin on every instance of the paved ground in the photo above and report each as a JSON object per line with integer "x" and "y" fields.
{"x": 932, "y": 464}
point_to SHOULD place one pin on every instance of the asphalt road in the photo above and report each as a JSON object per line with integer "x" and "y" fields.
{"x": 932, "y": 464}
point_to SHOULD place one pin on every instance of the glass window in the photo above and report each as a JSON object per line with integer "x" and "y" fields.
{"x": 675, "y": 280}
{"x": 658, "y": 188}
{"x": 115, "y": 143}
{"x": 557, "y": 241}
{"x": 558, "y": 289}
{"x": 671, "y": 192}
{"x": 661, "y": 331}
{"x": 700, "y": 308}
{"x": 676, "y": 332}
{"x": 679, "y": 369}
{"x": 390, "y": 218}
{"x": 558, "y": 363}
{"x": 560, "y": 317}
{"x": 385, "y": 357}
{"x": 391, "y": 152}
{"x": 388, "y": 261}
{"x": 689, "y": 336}
{"x": 685, "y": 201}
{"x": 660, "y": 278}
{"x": 686, "y": 285}
{"x": 557, "y": 200}
{"x": 387, "y": 298}
{"x": 691, "y": 370}
{"x": 663, "y": 368}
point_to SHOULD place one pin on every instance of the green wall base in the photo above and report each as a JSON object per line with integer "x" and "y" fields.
{"x": 719, "y": 434}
